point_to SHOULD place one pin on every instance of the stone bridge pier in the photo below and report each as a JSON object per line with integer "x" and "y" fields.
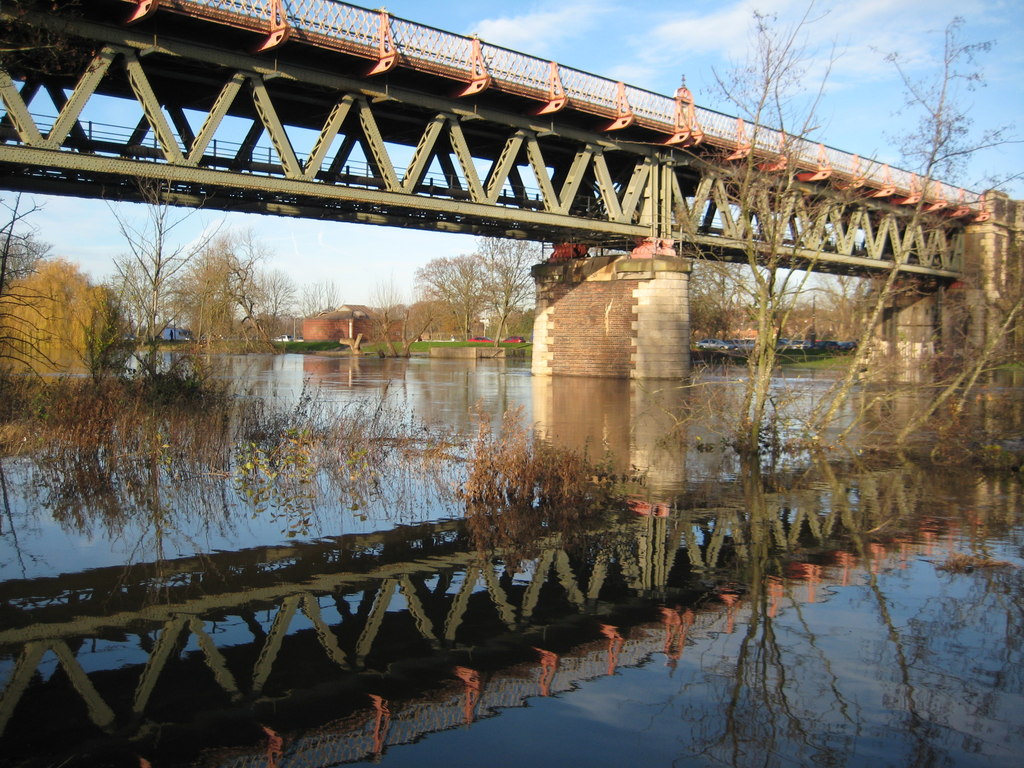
{"x": 617, "y": 317}
{"x": 926, "y": 318}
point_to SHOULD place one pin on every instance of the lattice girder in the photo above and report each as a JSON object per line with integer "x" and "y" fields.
{"x": 585, "y": 186}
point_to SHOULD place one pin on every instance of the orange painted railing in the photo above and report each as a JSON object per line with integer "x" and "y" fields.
{"x": 385, "y": 40}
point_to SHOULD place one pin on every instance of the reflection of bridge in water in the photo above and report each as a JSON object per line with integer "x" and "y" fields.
{"x": 376, "y": 639}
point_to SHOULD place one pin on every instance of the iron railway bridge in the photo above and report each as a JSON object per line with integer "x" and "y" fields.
{"x": 325, "y": 110}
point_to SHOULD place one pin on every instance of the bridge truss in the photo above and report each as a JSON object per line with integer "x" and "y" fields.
{"x": 177, "y": 100}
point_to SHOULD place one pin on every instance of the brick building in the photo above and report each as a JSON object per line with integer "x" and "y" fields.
{"x": 346, "y": 322}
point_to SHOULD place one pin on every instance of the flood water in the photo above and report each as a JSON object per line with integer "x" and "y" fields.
{"x": 717, "y": 618}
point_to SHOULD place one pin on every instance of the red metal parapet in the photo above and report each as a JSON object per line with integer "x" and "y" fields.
{"x": 275, "y": 747}
{"x": 985, "y": 214}
{"x": 615, "y": 644}
{"x": 623, "y": 112}
{"x": 143, "y": 9}
{"x": 887, "y": 189}
{"x": 471, "y": 681}
{"x": 857, "y": 179}
{"x": 781, "y": 160}
{"x": 743, "y": 145}
{"x": 548, "y": 668}
{"x": 687, "y": 132}
{"x": 822, "y": 171}
{"x": 914, "y": 195}
{"x": 387, "y": 54}
{"x": 382, "y": 718}
{"x": 280, "y": 29}
{"x": 962, "y": 208}
{"x": 480, "y": 78}
{"x": 557, "y": 100}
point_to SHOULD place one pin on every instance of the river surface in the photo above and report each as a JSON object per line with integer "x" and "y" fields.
{"x": 714, "y": 618}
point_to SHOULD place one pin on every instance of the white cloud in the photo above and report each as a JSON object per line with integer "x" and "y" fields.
{"x": 540, "y": 33}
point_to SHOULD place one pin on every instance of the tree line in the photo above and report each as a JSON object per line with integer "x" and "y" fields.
{"x": 220, "y": 288}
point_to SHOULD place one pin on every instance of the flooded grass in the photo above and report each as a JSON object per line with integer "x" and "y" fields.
{"x": 516, "y": 485}
{"x": 116, "y": 450}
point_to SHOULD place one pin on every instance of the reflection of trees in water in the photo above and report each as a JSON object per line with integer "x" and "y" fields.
{"x": 784, "y": 693}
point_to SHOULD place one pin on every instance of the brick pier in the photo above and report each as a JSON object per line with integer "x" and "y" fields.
{"x": 612, "y": 317}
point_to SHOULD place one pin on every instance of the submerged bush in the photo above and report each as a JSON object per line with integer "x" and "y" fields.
{"x": 509, "y": 469}
{"x": 517, "y": 487}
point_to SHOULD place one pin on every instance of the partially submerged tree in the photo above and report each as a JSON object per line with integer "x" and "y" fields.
{"x": 937, "y": 149}
{"x": 398, "y": 322}
{"x": 764, "y": 212}
{"x": 776, "y": 223}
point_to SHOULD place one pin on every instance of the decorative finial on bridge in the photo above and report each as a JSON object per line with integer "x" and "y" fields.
{"x": 682, "y": 92}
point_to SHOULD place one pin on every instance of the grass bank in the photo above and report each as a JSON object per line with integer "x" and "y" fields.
{"x": 417, "y": 347}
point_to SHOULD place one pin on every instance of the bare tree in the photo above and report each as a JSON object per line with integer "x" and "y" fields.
{"x": 939, "y": 146}
{"x": 398, "y": 322}
{"x": 247, "y": 283}
{"x": 508, "y": 286}
{"x": 20, "y": 312}
{"x": 19, "y": 248}
{"x": 319, "y": 297}
{"x": 203, "y": 298}
{"x": 279, "y": 296}
{"x": 842, "y": 301}
{"x": 154, "y": 259}
{"x": 458, "y": 283}
{"x": 717, "y": 297}
{"x": 763, "y": 196}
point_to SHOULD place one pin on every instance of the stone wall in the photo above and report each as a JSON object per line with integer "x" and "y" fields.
{"x": 992, "y": 268}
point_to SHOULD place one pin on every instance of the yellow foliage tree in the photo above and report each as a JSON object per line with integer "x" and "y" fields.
{"x": 56, "y": 319}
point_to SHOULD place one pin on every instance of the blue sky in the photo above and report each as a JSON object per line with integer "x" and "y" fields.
{"x": 649, "y": 45}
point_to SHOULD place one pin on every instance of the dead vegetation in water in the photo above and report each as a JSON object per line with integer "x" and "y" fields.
{"x": 959, "y": 562}
{"x": 110, "y": 450}
{"x": 517, "y": 488}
